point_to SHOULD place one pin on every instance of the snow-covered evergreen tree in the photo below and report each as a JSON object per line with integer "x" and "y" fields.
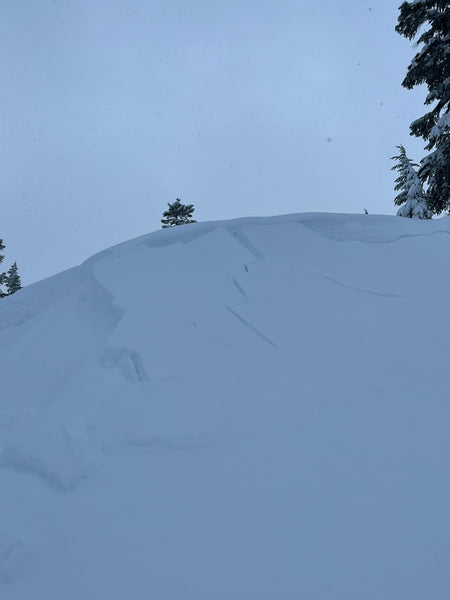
{"x": 2, "y": 275}
{"x": 12, "y": 281}
{"x": 431, "y": 66}
{"x": 178, "y": 214}
{"x": 411, "y": 197}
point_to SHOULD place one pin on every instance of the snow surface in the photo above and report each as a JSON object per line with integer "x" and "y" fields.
{"x": 248, "y": 409}
{"x": 42, "y": 447}
{"x": 12, "y": 557}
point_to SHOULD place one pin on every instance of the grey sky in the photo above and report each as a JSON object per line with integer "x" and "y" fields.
{"x": 109, "y": 109}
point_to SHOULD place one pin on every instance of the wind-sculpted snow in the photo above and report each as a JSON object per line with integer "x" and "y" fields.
{"x": 13, "y": 558}
{"x": 41, "y": 447}
{"x": 263, "y": 406}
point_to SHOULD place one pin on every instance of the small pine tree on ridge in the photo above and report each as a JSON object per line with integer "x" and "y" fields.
{"x": 177, "y": 214}
{"x": 2, "y": 275}
{"x": 12, "y": 281}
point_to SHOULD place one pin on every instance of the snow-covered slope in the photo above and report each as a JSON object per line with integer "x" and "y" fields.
{"x": 249, "y": 409}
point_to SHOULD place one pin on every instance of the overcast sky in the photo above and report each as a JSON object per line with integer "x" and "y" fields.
{"x": 110, "y": 109}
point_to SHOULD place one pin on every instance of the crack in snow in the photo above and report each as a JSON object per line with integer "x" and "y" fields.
{"x": 244, "y": 241}
{"x": 239, "y": 288}
{"x": 252, "y": 327}
{"x": 361, "y": 290}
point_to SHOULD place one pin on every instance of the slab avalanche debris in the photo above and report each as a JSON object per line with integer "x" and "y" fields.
{"x": 264, "y": 403}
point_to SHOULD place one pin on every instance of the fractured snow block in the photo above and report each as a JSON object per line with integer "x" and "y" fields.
{"x": 128, "y": 362}
{"x": 12, "y": 557}
{"x": 41, "y": 446}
